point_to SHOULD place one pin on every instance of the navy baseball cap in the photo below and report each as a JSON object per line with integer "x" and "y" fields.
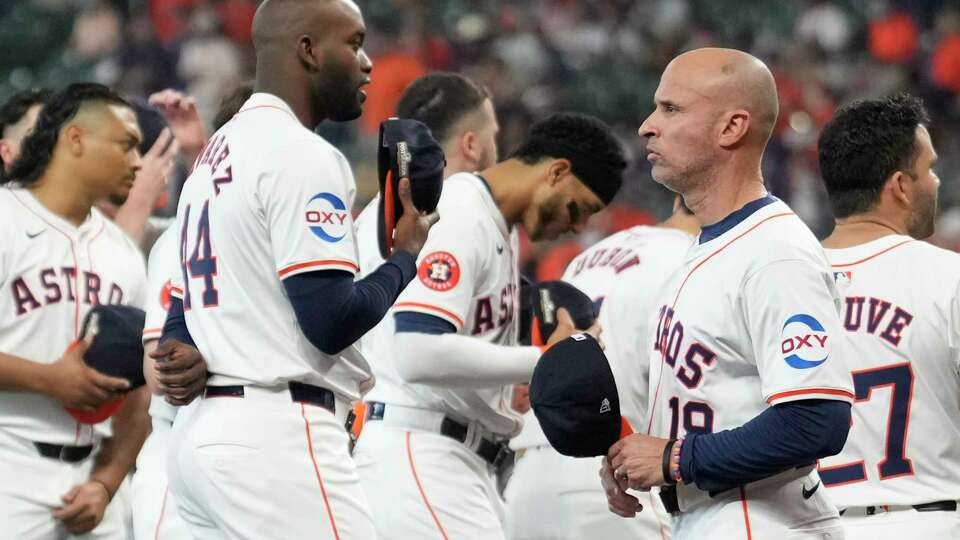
{"x": 117, "y": 350}
{"x": 574, "y": 396}
{"x": 151, "y": 122}
{"x": 406, "y": 148}
{"x": 547, "y": 297}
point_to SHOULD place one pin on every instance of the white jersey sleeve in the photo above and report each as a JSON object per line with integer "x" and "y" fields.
{"x": 163, "y": 266}
{"x": 793, "y": 321}
{"x": 450, "y": 271}
{"x": 313, "y": 184}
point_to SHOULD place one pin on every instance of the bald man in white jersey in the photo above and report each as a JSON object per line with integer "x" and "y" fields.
{"x": 267, "y": 292}
{"x": 899, "y": 473}
{"x": 748, "y": 381}
{"x": 621, "y": 274}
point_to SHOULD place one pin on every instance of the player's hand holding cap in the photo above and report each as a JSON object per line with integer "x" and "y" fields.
{"x": 543, "y": 300}
{"x": 575, "y": 398}
{"x": 406, "y": 149}
{"x": 117, "y": 350}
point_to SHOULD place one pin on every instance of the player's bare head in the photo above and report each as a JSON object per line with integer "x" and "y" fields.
{"x": 576, "y": 168}
{"x": 877, "y": 155}
{"x": 231, "y": 103}
{"x": 93, "y": 132}
{"x": 460, "y": 115}
{"x": 314, "y": 49}
{"x": 711, "y": 104}
{"x": 17, "y": 118}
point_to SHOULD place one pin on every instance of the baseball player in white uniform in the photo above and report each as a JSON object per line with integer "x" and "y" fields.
{"x": 461, "y": 118}
{"x": 433, "y": 449}
{"x": 59, "y": 258}
{"x": 748, "y": 383}
{"x": 621, "y": 274}
{"x": 899, "y": 473}
{"x": 155, "y": 513}
{"x": 268, "y": 296}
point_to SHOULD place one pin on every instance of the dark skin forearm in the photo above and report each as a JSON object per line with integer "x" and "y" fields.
{"x": 131, "y": 426}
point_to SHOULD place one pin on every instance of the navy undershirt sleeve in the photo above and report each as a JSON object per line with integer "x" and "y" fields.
{"x": 334, "y": 311}
{"x": 175, "y": 326}
{"x": 782, "y": 437}
{"x": 408, "y": 321}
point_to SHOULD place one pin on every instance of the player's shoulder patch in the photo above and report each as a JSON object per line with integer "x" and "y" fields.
{"x": 805, "y": 343}
{"x": 325, "y": 214}
{"x": 439, "y": 271}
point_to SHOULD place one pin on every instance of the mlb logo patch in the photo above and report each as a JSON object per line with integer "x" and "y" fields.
{"x": 439, "y": 271}
{"x": 843, "y": 278}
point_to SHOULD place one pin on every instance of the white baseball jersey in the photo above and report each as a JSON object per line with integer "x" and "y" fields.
{"x": 258, "y": 209}
{"x": 52, "y": 273}
{"x": 622, "y": 273}
{"x": 163, "y": 266}
{"x": 467, "y": 275}
{"x": 901, "y": 312}
{"x": 749, "y": 320}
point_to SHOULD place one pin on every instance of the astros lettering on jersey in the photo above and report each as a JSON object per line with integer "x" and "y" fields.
{"x": 750, "y": 320}
{"x": 53, "y": 273}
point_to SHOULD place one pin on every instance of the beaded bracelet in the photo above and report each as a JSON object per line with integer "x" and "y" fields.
{"x": 675, "y": 462}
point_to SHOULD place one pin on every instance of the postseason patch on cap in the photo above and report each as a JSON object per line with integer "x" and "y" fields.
{"x": 440, "y": 271}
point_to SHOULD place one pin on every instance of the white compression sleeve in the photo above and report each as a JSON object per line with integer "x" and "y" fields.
{"x": 455, "y": 361}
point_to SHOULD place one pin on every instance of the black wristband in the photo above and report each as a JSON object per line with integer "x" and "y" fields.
{"x": 665, "y": 462}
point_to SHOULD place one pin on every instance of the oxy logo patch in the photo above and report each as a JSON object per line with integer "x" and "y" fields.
{"x": 805, "y": 343}
{"x": 327, "y": 217}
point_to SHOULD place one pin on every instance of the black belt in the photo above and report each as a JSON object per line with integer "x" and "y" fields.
{"x": 299, "y": 392}
{"x": 68, "y": 454}
{"x": 494, "y": 453}
{"x": 668, "y": 495}
{"x": 937, "y": 506}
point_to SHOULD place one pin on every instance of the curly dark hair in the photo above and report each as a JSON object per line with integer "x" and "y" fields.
{"x": 865, "y": 143}
{"x": 37, "y": 148}
{"x": 440, "y": 100}
{"x": 595, "y": 155}
{"x": 17, "y": 106}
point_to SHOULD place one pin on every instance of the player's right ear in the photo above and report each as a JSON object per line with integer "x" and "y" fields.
{"x": 309, "y": 53}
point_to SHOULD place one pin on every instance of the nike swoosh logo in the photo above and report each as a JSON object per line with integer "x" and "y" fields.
{"x": 36, "y": 234}
{"x": 809, "y": 493}
{"x": 499, "y": 250}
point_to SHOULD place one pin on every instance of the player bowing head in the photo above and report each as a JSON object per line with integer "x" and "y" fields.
{"x": 329, "y": 67}
{"x": 569, "y": 168}
{"x": 90, "y": 131}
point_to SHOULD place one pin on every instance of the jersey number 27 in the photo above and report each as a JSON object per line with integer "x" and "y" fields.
{"x": 201, "y": 262}
{"x": 899, "y": 378}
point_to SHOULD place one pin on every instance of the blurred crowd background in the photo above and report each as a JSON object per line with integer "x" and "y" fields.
{"x": 537, "y": 56}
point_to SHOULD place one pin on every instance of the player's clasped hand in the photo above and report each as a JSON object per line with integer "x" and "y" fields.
{"x": 74, "y": 384}
{"x": 413, "y": 225}
{"x": 181, "y": 371}
{"x": 639, "y": 460}
{"x": 619, "y": 501}
{"x": 83, "y": 508}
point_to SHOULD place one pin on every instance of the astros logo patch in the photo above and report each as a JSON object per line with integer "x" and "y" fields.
{"x": 327, "y": 217}
{"x": 805, "y": 343}
{"x": 165, "y": 296}
{"x": 440, "y": 271}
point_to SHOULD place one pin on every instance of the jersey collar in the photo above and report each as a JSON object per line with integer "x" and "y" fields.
{"x": 709, "y": 232}
{"x": 263, "y": 100}
{"x": 93, "y": 222}
{"x": 502, "y": 224}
